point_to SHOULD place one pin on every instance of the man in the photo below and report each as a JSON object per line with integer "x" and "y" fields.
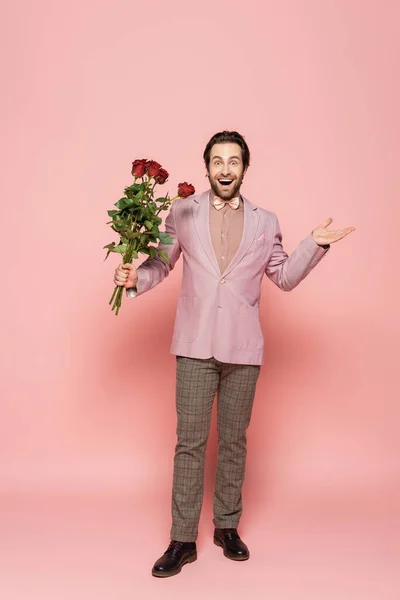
{"x": 228, "y": 244}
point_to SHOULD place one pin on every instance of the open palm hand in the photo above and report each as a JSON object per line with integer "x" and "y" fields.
{"x": 322, "y": 236}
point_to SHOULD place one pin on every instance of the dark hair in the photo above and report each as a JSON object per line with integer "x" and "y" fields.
{"x": 225, "y": 137}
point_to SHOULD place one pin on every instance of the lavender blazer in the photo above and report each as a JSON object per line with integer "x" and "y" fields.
{"x": 218, "y": 313}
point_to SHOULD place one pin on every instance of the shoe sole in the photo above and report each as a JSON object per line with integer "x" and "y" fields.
{"x": 217, "y": 542}
{"x": 189, "y": 559}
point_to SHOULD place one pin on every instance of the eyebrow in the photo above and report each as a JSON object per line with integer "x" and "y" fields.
{"x": 214, "y": 157}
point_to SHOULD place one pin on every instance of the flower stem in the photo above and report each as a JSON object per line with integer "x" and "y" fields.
{"x": 119, "y": 290}
{"x": 114, "y": 292}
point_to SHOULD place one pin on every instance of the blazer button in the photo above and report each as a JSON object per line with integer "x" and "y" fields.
{"x": 222, "y": 280}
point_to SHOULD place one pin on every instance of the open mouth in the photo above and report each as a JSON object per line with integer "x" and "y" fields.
{"x": 225, "y": 182}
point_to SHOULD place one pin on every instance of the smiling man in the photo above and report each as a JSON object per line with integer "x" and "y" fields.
{"x": 228, "y": 245}
{"x": 226, "y": 185}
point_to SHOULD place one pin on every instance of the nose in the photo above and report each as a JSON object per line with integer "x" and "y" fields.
{"x": 225, "y": 171}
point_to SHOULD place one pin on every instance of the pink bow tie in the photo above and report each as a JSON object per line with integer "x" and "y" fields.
{"x": 218, "y": 203}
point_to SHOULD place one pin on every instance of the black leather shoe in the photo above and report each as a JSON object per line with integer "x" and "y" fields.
{"x": 230, "y": 541}
{"x": 173, "y": 559}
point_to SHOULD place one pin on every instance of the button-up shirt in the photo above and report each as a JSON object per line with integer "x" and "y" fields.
{"x": 226, "y": 228}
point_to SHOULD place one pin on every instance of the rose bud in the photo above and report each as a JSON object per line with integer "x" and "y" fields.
{"x": 152, "y": 168}
{"x": 139, "y": 167}
{"x": 185, "y": 190}
{"x": 162, "y": 176}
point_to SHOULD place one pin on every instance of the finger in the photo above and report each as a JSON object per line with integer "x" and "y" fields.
{"x": 121, "y": 277}
{"x": 337, "y": 235}
{"x": 326, "y": 222}
{"x": 121, "y": 273}
{"x": 343, "y": 231}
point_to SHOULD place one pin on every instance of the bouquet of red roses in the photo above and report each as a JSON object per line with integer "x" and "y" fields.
{"x": 136, "y": 217}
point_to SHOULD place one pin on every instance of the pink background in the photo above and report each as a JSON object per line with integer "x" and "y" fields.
{"x": 87, "y": 400}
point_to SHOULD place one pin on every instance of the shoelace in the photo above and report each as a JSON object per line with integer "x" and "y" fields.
{"x": 174, "y": 546}
{"x": 231, "y": 533}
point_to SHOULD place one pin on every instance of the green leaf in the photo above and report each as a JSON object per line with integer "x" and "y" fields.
{"x": 110, "y": 248}
{"x": 111, "y": 213}
{"x": 135, "y": 187}
{"x": 120, "y": 249}
{"x": 164, "y": 238}
{"x": 148, "y": 224}
{"x": 122, "y": 203}
{"x": 130, "y": 235}
{"x": 153, "y": 251}
{"x": 134, "y": 254}
{"x": 120, "y": 219}
{"x": 143, "y": 238}
{"x": 163, "y": 255}
{"x": 126, "y": 204}
{"x": 144, "y": 250}
{"x": 119, "y": 228}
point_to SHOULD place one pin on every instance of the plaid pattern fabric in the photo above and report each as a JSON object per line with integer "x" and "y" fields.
{"x": 197, "y": 382}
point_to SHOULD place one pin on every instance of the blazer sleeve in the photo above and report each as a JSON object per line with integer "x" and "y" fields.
{"x": 153, "y": 270}
{"x": 288, "y": 271}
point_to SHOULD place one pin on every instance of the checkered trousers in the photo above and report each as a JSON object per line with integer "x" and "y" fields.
{"x": 197, "y": 383}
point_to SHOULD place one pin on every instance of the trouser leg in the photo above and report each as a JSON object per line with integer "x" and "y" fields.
{"x": 196, "y": 386}
{"x": 234, "y": 406}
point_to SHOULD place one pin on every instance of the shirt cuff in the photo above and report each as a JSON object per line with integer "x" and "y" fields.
{"x": 131, "y": 292}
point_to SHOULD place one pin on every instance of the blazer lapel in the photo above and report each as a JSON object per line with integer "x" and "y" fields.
{"x": 201, "y": 217}
{"x": 250, "y": 224}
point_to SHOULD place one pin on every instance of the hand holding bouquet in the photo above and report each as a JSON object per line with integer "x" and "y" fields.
{"x": 136, "y": 218}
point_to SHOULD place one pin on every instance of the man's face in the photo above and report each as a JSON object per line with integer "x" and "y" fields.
{"x": 226, "y": 171}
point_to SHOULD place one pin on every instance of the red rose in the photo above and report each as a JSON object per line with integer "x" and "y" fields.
{"x": 162, "y": 176}
{"x": 152, "y": 168}
{"x": 139, "y": 167}
{"x": 185, "y": 190}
